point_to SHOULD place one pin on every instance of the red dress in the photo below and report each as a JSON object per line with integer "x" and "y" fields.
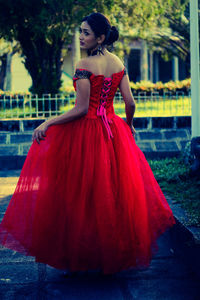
{"x": 86, "y": 198}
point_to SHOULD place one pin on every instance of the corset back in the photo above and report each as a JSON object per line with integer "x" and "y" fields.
{"x": 102, "y": 94}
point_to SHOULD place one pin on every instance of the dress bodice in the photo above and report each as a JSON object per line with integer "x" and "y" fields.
{"x": 102, "y": 93}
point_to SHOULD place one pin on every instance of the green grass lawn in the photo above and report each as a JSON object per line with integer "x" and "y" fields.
{"x": 174, "y": 179}
{"x": 155, "y": 107}
{"x": 17, "y": 113}
{"x": 158, "y": 107}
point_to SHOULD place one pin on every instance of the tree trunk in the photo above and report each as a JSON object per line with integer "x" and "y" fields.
{"x": 45, "y": 69}
{"x": 43, "y": 62}
{"x": 3, "y": 59}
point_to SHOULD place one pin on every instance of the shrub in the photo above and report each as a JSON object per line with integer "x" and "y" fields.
{"x": 138, "y": 87}
{"x": 160, "y": 87}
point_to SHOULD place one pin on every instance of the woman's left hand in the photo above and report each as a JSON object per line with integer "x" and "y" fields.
{"x": 40, "y": 132}
{"x": 133, "y": 130}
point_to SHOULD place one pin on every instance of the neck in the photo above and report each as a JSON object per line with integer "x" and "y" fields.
{"x": 96, "y": 51}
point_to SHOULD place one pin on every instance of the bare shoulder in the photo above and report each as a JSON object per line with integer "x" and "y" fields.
{"x": 108, "y": 64}
{"x": 84, "y": 63}
{"x": 117, "y": 61}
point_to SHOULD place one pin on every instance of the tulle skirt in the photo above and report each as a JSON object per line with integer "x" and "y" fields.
{"x": 86, "y": 202}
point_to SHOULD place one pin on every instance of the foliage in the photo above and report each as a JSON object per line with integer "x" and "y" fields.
{"x": 186, "y": 156}
{"x": 173, "y": 40}
{"x": 13, "y": 94}
{"x": 174, "y": 178}
{"x": 149, "y": 20}
{"x": 66, "y": 90}
{"x": 171, "y": 86}
{"x": 145, "y": 86}
{"x": 42, "y": 28}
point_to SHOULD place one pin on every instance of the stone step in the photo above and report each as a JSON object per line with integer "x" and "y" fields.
{"x": 16, "y": 125}
{"x": 19, "y": 143}
{"x": 14, "y": 149}
{"x": 10, "y": 138}
{"x": 12, "y": 162}
{"x": 155, "y": 143}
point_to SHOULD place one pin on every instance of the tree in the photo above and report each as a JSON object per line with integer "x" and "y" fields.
{"x": 175, "y": 40}
{"x": 160, "y": 22}
{"x": 42, "y": 28}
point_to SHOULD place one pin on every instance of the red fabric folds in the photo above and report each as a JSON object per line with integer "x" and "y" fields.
{"x": 84, "y": 201}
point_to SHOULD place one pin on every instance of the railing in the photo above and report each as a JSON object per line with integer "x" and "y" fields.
{"x": 30, "y": 106}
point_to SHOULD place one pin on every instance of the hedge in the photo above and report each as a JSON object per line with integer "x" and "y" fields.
{"x": 146, "y": 87}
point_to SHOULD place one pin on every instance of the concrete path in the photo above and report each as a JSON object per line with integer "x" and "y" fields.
{"x": 21, "y": 278}
{"x": 8, "y": 181}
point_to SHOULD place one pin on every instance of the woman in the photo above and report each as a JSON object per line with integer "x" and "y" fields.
{"x": 86, "y": 197}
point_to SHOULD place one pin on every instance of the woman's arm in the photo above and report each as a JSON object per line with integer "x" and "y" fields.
{"x": 82, "y": 104}
{"x": 129, "y": 101}
{"x": 81, "y": 109}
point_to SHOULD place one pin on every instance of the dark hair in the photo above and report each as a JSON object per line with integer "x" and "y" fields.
{"x": 101, "y": 25}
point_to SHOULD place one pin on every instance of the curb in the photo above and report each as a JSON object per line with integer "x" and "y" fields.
{"x": 185, "y": 239}
{"x": 11, "y": 162}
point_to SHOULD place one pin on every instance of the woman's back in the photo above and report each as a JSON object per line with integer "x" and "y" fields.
{"x": 104, "y": 78}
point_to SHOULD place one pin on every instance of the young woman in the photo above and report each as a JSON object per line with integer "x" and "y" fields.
{"x": 86, "y": 197}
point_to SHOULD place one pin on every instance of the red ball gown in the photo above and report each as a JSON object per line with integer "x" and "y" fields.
{"x": 86, "y": 198}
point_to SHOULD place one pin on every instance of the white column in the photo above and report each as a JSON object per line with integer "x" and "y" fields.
{"x": 126, "y": 62}
{"x": 156, "y": 65}
{"x": 151, "y": 66}
{"x": 76, "y": 53}
{"x": 194, "y": 54}
{"x": 175, "y": 68}
{"x": 144, "y": 61}
{"x": 8, "y": 79}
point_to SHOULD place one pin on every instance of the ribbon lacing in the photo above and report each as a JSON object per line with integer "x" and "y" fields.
{"x": 101, "y": 110}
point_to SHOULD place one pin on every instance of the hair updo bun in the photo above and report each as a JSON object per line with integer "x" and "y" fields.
{"x": 113, "y": 36}
{"x": 101, "y": 25}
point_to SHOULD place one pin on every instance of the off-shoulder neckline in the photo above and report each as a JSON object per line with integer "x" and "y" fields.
{"x": 101, "y": 75}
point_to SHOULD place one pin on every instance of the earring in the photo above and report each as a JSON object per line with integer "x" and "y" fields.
{"x": 100, "y": 49}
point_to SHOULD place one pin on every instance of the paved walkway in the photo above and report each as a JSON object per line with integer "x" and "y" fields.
{"x": 8, "y": 180}
{"x": 21, "y": 278}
